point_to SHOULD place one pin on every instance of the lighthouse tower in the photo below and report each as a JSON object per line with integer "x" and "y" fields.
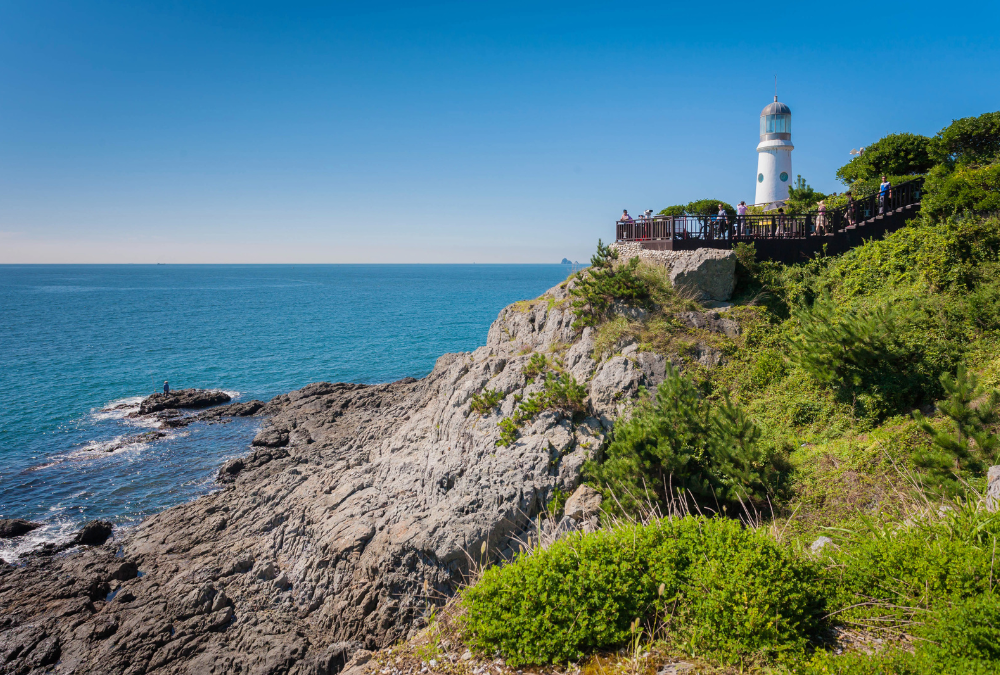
{"x": 774, "y": 153}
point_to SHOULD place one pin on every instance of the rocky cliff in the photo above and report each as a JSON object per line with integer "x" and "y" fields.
{"x": 357, "y": 509}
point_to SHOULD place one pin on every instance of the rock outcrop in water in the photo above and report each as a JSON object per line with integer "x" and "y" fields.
{"x": 183, "y": 398}
{"x": 15, "y": 527}
{"x": 357, "y": 509}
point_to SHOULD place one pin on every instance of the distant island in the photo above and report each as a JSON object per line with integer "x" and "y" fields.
{"x": 567, "y": 261}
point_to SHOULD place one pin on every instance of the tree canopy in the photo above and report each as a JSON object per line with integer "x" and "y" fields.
{"x": 968, "y": 140}
{"x": 896, "y": 154}
{"x": 699, "y": 207}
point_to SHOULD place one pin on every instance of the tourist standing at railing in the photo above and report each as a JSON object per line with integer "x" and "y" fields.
{"x": 722, "y": 221}
{"x": 780, "y": 223}
{"x": 849, "y": 210}
{"x": 884, "y": 191}
{"x": 626, "y": 218}
{"x": 741, "y": 219}
{"x": 821, "y": 217}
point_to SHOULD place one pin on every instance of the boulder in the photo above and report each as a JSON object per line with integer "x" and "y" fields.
{"x": 94, "y": 533}
{"x": 583, "y": 504}
{"x": 183, "y": 398}
{"x": 705, "y": 274}
{"x": 15, "y": 527}
{"x": 993, "y": 488}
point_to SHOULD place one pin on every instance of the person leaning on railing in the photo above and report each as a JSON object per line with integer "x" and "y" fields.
{"x": 741, "y": 219}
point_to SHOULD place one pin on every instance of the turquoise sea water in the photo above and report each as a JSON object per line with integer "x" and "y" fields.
{"x": 78, "y": 340}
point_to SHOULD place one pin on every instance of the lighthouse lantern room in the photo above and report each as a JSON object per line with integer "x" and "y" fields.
{"x": 774, "y": 153}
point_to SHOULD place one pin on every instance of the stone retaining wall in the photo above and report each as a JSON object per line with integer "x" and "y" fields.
{"x": 702, "y": 274}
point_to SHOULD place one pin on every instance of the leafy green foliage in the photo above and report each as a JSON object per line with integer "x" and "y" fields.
{"x": 894, "y": 155}
{"x": 682, "y": 440}
{"x": 968, "y": 140}
{"x": 675, "y": 210}
{"x": 604, "y": 282}
{"x": 966, "y": 188}
{"x": 967, "y": 177}
{"x": 485, "y": 401}
{"x": 716, "y": 587}
{"x": 966, "y": 441}
{"x": 802, "y": 197}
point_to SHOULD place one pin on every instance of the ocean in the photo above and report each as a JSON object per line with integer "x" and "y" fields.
{"x": 81, "y": 345}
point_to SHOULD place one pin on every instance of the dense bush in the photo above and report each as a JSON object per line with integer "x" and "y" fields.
{"x": 893, "y": 155}
{"x": 967, "y": 176}
{"x": 965, "y": 188}
{"x": 710, "y": 584}
{"x": 682, "y": 440}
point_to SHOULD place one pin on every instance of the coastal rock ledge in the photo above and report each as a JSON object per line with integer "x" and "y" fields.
{"x": 357, "y": 509}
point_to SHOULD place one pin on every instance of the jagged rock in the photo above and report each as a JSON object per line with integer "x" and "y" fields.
{"x": 356, "y": 507}
{"x": 705, "y": 274}
{"x": 183, "y": 398}
{"x": 271, "y": 437}
{"x": 15, "y": 527}
{"x": 583, "y": 503}
{"x": 992, "y": 497}
{"x": 94, "y": 533}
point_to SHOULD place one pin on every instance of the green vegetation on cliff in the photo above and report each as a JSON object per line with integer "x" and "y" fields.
{"x": 857, "y": 401}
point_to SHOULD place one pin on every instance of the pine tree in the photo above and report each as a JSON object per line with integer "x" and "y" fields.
{"x": 967, "y": 443}
{"x": 604, "y": 282}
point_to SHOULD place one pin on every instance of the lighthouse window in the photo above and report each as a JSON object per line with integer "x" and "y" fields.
{"x": 760, "y": 178}
{"x": 776, "y": 124}
{"x": 784, "y": 177}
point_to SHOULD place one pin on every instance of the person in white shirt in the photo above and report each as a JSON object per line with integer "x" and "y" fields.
{"x": 741, "y": 213}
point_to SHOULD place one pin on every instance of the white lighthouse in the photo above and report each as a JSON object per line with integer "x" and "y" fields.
{"x": 774, "y": 153}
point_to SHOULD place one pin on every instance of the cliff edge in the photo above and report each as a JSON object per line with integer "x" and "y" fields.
{"x": 358, "y": 509}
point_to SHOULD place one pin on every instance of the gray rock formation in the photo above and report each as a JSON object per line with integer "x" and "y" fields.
{"x": 357, "y": 509}
{"x": 705, "y": 274}
{"x": 992, "y": 497}
{"x": 183, "y": 398}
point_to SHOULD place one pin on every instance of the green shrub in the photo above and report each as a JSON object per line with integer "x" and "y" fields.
{"x": 966, "y": 188}
{"x": 485, "y": 401}
{"x": 560, "y": 392}
{"x": 682, "y": 440}
{"x": 715, "y": 587}
{"x": 604, "y": 282}
{"x": 536, "y": 366}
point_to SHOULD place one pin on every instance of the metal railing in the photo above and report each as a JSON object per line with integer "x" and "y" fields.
{"x": 772, "y": 225}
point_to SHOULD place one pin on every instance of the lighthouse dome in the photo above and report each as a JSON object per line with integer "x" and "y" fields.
{"x": 776, "y": 108}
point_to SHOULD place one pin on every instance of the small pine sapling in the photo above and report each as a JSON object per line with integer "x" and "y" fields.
{"x": 967, "y": 443}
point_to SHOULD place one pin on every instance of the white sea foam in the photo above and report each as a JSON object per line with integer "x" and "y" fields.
{"x": 119, "y": 408}
{"x": 59, "y": 530}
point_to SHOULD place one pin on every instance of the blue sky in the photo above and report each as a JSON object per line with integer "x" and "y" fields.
{"x": 438, "y": 132}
